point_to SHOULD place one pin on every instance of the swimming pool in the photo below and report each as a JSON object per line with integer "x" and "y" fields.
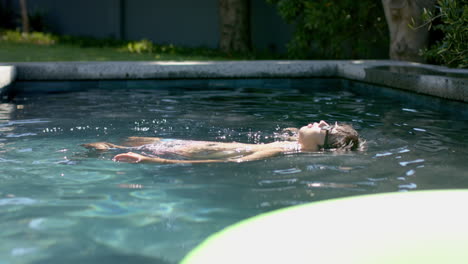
{"x": 60, "y": 202}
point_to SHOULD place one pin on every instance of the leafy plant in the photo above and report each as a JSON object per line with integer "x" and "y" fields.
{"x": 34, "y": 37}
{"x": 140, "y": 46}
{"x": 450, "y": 17}
{"x": 328, "y": 29}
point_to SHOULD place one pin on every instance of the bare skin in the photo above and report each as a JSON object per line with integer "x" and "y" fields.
{"x": 309, "y": 139}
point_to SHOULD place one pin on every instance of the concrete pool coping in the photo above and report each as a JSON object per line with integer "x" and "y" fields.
{"x": 7, "y": 76}
{"x": 415, "y": 77}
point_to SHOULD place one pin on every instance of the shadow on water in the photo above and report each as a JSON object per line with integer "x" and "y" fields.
{"x": 101, "y": 255}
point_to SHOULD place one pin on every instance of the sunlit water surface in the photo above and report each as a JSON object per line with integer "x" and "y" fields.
{"x": 60, "y": 202}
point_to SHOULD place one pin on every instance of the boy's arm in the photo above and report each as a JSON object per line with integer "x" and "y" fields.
{"x": 131, "y": 157}
{"x": 259, "y": 155}
{"x": 138, "y": 158}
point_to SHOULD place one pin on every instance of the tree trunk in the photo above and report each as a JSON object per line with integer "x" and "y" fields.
{"x": 24, "y": 16}
{"x": 406, "y": 42}
{"x": 234, "y": 25}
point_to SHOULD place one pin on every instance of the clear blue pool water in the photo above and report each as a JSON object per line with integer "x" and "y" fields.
{"x": 60, "y": 202}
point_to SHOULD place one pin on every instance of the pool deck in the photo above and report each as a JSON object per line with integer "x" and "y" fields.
{"x": 419, "y": 78}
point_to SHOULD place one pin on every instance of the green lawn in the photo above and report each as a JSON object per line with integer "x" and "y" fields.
{"x": 26, "y": 52}
{"x": 37, "y": 46}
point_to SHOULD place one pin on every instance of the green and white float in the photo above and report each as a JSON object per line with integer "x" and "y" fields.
{"x": 414, "y": 227}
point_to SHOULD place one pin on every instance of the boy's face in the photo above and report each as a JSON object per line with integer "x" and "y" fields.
{"x": 313, "y": 135}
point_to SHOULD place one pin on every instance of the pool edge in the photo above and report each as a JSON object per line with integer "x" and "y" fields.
{"x": 434, "y": 80}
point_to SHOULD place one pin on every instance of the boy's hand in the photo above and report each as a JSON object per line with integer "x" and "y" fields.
{"x": 129, "y": 157}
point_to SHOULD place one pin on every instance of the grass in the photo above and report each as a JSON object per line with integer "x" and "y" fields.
{"x": 25, "y": 52}
{"x": 40, "y": 47}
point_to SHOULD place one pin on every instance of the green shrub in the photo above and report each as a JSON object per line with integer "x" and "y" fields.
{"x": 33, "y": 37}
{"x": 327, "y": 29}
{"x": 451, "y": 19}
{"x": 142, "y": 46}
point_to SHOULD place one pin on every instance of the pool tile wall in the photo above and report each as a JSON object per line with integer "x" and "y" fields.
{"x": 31, "y": 87}
{"x": 450, "y": 86}
{"x": 414, "y": 77}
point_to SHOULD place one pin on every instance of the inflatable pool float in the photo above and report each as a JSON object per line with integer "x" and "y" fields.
{"x": 413, "y": 227}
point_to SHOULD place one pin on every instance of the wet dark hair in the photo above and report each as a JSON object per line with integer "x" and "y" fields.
{"x": 342, "y": 137}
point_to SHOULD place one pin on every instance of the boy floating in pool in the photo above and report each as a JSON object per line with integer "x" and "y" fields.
{"x": 313, "y": 137}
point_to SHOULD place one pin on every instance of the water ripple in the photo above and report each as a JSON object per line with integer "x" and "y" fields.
{"x": 17, "y": 201}
{"x": 279, "y": 182}
{"x": 20, "y": 122}
{"x": 51, "y": 223}
{"x": 16, "y": 252}
{"x": 409, "y": 110}
{"x": 410, "y": 186}
{"x": 20, "y": 135}
{"x": 287, "y": 171}
{"x": 107, "y": 209}
{"x": 383, "y": 154}
{"x": 315, "y": 167}
{"x": 2, "y": 160}
{"x": 406, "y": 163}
{"x": 331, "y": 185}
{"x": 148, "y": 194}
